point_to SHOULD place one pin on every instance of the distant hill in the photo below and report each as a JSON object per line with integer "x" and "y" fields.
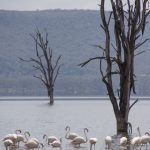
{"x": 71, "y": 34}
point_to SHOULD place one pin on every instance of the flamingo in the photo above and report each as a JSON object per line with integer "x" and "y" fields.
{"x": 56, "y": 143}
{"x": 92, "y": 141}
{"x": 136, "y": 141}
{"x": 50, "y": 139}
{"x": 79, "y": 139}
{"x": 108, "y": 141}
{"x": 32, "y": 144}
{"x": 12, "y": 137}
{"x": 20, "y": 137}
{"x": 8, "y": 143}
{"x": 145, "y": 139}
{"x": 69, "y": 135}
{"x": 123, "y": 141}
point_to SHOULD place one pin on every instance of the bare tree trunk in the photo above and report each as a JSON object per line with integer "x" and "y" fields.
{"x": 122, "y": 125}
{"x": 50, "y": 95}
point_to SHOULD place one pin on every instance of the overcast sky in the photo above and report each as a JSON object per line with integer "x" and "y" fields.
{"x": 49, "y": 4}
{"x": 52, "y": 4}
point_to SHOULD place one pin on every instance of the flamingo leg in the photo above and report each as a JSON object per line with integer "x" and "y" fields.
{"x": 18, "y": 144}
{"x": 90, "y": 146}
{"x": 146, "y": 145}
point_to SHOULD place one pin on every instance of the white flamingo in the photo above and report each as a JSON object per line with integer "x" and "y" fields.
{"x": 79, "y": 139}
{"x": 30, "y": 140}
{"x": 50, "y": 139}
{"x": 56, "y": 143}
{"x": 136, "y": 141}
{"x": 8, "y": 143}
{"x": 148, "y": 134}
{"x": 31, "y": 144}
{"x": 92, "y": 141}
{"x": 20, "y": 137}
{"x": 12, "y": 137}
{"x": 145, "y": 139}
{"x": 123, "y": 141}
{"x": 108, "y": 142}
{"x": 70, "y": 135}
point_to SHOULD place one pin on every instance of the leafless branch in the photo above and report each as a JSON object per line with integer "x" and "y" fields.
{"x": 133, "y": 104}
{"x": 140, "y": 44}
{"x": 139, "y": 53}
{"x": 98, "y": 46}
{"x": 91, "y": 59}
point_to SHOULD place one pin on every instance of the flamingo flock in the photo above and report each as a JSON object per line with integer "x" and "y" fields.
{"x": 134, "y": 143}
{"x": 12, "y": 141}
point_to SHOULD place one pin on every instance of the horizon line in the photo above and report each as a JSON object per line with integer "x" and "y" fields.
{"x": 67, "y": 97}
{"x": 53, "y": 9}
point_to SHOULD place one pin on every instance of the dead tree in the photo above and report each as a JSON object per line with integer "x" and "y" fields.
{"x": 48, "y": 70}
{"x": 129, "y": 26}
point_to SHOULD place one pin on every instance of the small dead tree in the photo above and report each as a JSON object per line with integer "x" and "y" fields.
{"x": 48, "y": 70}
{"x": 129, "y": 26}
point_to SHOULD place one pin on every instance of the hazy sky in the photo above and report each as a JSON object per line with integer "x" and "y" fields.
{"x": 49, "y": 4}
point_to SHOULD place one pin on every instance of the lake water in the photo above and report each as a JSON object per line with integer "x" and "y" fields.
{"x": 39, "y": 118}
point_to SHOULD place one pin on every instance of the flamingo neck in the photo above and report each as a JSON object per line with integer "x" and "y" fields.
{"x": 68, "y": 130}
{"x": 27, "y": 135}
{"x": 90, "y": 146}
{"x": 139, "y": 131}
{"x": 45, "y": 137}
{"x": 86, "y": 139}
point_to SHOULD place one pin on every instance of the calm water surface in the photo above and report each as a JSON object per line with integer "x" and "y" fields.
{"x": 39, "y": 118}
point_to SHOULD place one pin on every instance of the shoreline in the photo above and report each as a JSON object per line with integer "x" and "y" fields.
{"x": 44, "y": 98}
